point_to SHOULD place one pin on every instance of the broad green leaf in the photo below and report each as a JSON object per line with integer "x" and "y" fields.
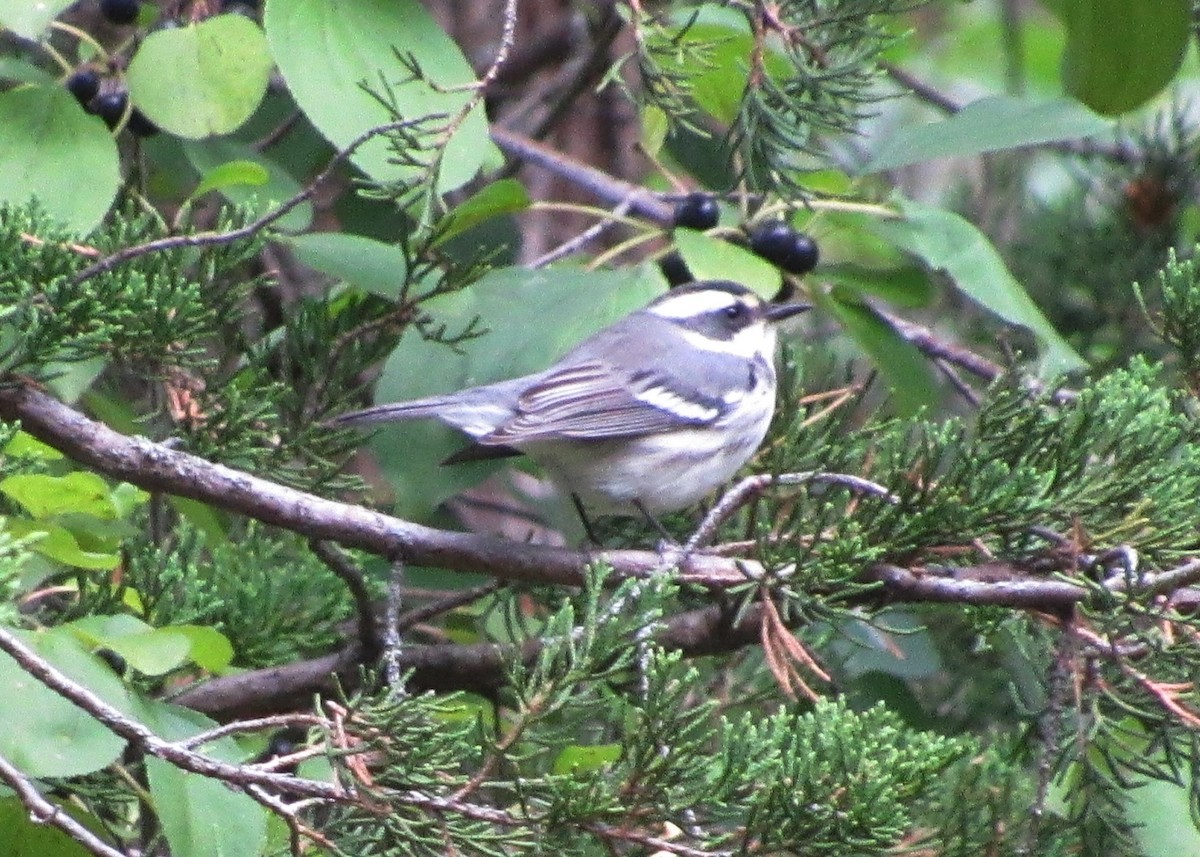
{"x": 200, "y": 816}
{"x": 902, "y": 285}
{"x": 210, "y": 649}
{"x": 23, "y": 837}
{"x": 908, "y": 374}
{"x": 72, "y": 378}
{"x": 328, "y": 52}
{"x": 232, "y": 174}
{"x": 126, "y": 499}
{"x": 906, "y": 648}
{"x": 363, "y": 262}
{"x": 1119, "y": 54}
{"x": 586, "y": 757}
{"x": 45, "y": 735}
{"x": 202, "y": 79}
{"x": 1161, "y": 815}
{"x": 20, "y": 70}
{"x": 25, "y": 445}
{"x": 654, "y": 130}
{"x": 209, "y": 155}
{"x": 53, "y": 151}
{"x": 150, "y": 651}
{"x": 948, "y": 243}
{"x": 43, "y": 495}
{"x": 60, "y": 544}
{"x": 988, "y": 125}
{"x": 710, "y": 258}
{"x": 500, "y": 197}
{"x": 30, "y": 19}
{"x": 567, "y": 304}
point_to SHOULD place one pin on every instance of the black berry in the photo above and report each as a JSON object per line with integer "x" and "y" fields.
{"x": 675, "y": 269}
{"x": 784, "y": 247}
{"x": 110, "y": 107}
{"x": 120, "y": 11}
{"x": 141, "y": 125}
{"x": 83, "y": 83}
{"x": 697, "y": 211}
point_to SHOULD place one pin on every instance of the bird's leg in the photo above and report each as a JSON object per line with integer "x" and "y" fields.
{"x": 669, "y": 547}
{"x": 583, "y": 519}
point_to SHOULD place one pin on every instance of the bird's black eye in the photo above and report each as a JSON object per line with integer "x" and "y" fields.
{"x": 735, "y": 312}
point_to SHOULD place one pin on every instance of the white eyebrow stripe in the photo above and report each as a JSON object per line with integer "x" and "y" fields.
{"x": 748, "y": 342}
{"x": 691, "y": 304}
{"x": 672, "y": 402}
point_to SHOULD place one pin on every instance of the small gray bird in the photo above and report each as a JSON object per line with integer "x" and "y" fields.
{"x": 647, "y": 415}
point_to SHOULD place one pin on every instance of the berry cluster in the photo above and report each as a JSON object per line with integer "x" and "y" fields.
{"x": 775, "y": 241}
{"x": 108, "y": 100}
{"x": 784, "y": 247}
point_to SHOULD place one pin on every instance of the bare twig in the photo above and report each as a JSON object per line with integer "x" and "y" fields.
{"x": 142, "y": 737}
{"x": 750, "y": 487}
{"x": 443, "y": 605}
{"x": 341, "y": 565}
{"x": 611, "y": 190}
{"x": 583, "y": 238}
{"x": 212, "y": 239}
{"x": 42, "y": 811}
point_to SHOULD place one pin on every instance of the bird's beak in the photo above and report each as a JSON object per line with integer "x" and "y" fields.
{"x": 778, "y": 312}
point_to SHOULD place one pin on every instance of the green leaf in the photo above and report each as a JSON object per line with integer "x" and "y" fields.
{"x": 328, "y": 52}
{"x": 902, "y": 285}
{"x": 20, "y": 70}
{"x": 906, "y": 371}
{"x": 1119, "y": 54}
{"x": 988, "y": 125}
{"x": 654, "y": 130}
{"x": 568, "y": 303}
{"x": 23, "y": 837}
{"x": 948, "y": 243}
{"x": 202, "y": 79}
{"x": 200, "y": 816}
{"x": 363, "y": 262}
{"x": 44, "y": 496}
{"x": 150, "y": 651}
{"x": 45, "y": 735}
{"x": 25, "y": 445}
{"x": 209, "y": 155}
{"x": 58, "y": 543}
{"x": 29, "y": 19}
{"x": 53, "y": 151}
{"x": 232, "y": 174}
{"x": 501, "y": 197}
{"x": 590, "y": 757}
{"x": 210, "y": 649}
{"x": 1161, "y": 816}
{"x": 710, "y": 258}
{"x": 154, "y": 651}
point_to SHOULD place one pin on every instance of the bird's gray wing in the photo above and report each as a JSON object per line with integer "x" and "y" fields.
{"x": 588, "y": 399}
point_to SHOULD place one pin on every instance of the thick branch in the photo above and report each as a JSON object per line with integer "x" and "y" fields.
{"x": 480, "y": 667}
{"x": 156, "y": 468}
{"x": 611, "y": 190}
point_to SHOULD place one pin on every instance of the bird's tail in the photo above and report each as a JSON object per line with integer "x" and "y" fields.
{"x": 417, "y": 409}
